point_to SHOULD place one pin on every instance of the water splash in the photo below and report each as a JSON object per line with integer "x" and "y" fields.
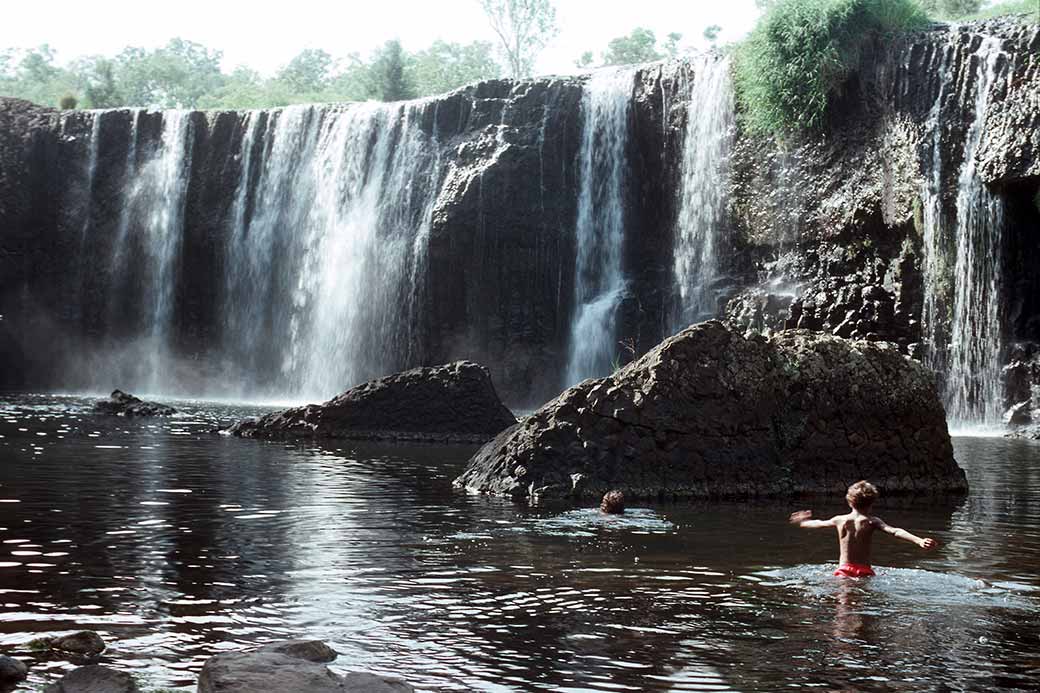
{"x": 969, "y": 356}
{"x": 599, "y": 282}
{"x": 705, "y": 169}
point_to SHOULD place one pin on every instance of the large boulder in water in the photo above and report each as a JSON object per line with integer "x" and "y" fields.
{"x": 121, "y": 403}
{"x": 711, "y": 413}
{"x": 296, "y": 666}
{"x": 94, "y": 679}
{"x": 455, "y": 402}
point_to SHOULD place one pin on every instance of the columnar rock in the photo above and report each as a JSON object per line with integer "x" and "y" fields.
{"x": 711, "y": 413}
{"x": 297, "y": 666}
{"x": 455, "y": 402}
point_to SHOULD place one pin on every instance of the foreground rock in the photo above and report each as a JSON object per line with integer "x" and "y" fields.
{"x": 122, "y": 404}
{"x": 94, "y": 679}
{"x": 710, "y": 413}
{"x": 455, "y": 402}
{"x": 12, "y": 670}
{"x": 86, "y": 644}
{"x": 297, "y": 666}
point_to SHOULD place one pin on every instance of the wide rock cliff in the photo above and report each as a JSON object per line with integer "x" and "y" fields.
{"x": 710, "y": 413}
{"x": 301, "y": 251}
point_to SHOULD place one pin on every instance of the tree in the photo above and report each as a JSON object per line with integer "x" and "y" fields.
{"x": 391, "y": 80}
{"x": 950, "y": 8}
{"x": 524, "y": 28}
{"x": 640, "y": 46}
{"x": 308, "y": 72}
{"x": 68, "y": 102}
{"x": 446, "y": 66}
{"x": 711, "y": 33}
{"x": 671, "y": 45}
{"x": 585, "y": 61}
{"x": 98, "y": 76}
{"x": 178, "y": 75}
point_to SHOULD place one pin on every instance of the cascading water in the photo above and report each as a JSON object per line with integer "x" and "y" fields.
{"x": 330, "y": 231}
{"x": 970, "y": 361}
{"x": 709, "y": 135}
{"x": 600, "y": 231}
{"x": 150, "y": 234}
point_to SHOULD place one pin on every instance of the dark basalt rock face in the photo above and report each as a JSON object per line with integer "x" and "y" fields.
{"x": 823, "y": 232}
{"x": 455, "y": 402}
{"x": 122, "y": 404}
{"x": 296, "y": 666}
{"x": 710, "y": 413}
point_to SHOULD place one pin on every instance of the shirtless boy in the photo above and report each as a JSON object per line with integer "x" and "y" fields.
{"x": 856, "y": 529}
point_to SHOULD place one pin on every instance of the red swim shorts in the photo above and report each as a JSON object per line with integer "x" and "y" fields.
{"x": 854, "y": 570}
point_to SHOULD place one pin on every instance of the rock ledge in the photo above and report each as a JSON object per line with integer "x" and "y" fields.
{"x": 455, "y": 402}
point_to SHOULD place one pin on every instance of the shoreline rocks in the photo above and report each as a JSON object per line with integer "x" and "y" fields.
{"x": 452, "y": 403}
{"x": 291, "y": 665}
{"x": 295, "y": 665}
{"x": 12, "y": 671}
{"x": 121, "y": 403}
{"x": 711, "y": 413}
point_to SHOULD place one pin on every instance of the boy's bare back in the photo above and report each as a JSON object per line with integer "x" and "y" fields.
{"x": 856, "y": 529}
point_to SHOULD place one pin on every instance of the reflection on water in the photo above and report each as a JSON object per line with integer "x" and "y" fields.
{"x": 176, "y": 543}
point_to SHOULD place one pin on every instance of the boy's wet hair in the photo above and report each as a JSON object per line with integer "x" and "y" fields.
{"x": 861, "y": 495}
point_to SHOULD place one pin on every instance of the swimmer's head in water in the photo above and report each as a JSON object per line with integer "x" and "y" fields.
{"x": 613, "y": 503}
{"x": 861, "y": 495}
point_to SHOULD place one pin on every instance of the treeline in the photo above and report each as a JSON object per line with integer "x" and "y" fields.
{"x": 184, "y": 74}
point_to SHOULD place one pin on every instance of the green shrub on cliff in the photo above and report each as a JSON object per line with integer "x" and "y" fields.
{"x": 801, "y": 53}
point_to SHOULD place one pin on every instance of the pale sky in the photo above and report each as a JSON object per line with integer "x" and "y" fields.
{"x": 266, "y": 35}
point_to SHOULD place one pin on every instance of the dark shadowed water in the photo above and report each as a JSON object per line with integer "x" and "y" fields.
{"x": 176, "y": 543}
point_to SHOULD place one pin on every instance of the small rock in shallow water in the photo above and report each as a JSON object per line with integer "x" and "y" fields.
{"x": 294, "y": 665}
{"x": 94, "y": 678}
{"x": 85, "y": 643}
{"x": 123, "y": 404}
{"x": 12, "y": 670}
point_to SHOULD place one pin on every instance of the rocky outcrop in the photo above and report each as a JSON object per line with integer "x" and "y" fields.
{"x": 94, "y": 678}
{"x": 85, "y": 644}
{"x": 123, "y": 404}
{"x": 711, "y": 413}
{"x": 455, "y": 402}
{"x": 297, "y": 666}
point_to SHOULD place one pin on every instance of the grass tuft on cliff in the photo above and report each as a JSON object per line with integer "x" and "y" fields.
{"x": 801, "y": 53}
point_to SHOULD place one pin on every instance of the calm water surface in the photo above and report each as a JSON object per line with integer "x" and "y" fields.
{"x": 176, "y": 543}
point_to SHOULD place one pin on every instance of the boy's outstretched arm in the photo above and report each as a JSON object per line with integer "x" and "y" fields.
{"x": 803, "y": 518}
{"x": 925, "y": 543}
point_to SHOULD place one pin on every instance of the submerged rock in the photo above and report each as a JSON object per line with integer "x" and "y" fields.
{"x": 12, "y": 670}
{"x": 710, "y": 413}
{"x": 85, "y": 644}
{"x": 296, "y": 666}
{"x": 455, "y": 402}
{"x": 121, "y": 403}
{"x": 94, "y": 678}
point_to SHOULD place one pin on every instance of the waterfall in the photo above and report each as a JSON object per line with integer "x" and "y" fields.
{"x": 600, "y": 230}
{"x": 327, "y": 245}
{"x": 148, "y": 243}
{"x": 968, "y": 358}
{"x": 702, "y": 206}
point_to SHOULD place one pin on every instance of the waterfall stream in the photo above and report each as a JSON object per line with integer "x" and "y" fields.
{"x": 702, "y": 205}
{"x": 329, "y": 235}
{"x": 968, "y": 358}
{"x": 599, "y": 282}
